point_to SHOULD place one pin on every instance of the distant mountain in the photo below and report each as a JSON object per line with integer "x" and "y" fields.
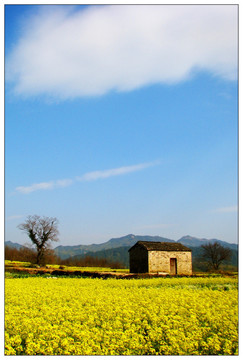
{"x": 13, "y": 245}
{"x": 194, "y": 242}
{"x": 106, "y": 249}
{"x": 129, "y": 240}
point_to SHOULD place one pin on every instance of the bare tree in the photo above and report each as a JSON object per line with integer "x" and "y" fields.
{"x": 214, "y": 254}
{"x": 41, "y": 230}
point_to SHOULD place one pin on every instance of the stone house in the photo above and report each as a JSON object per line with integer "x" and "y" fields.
{"x": 160, "y": 257}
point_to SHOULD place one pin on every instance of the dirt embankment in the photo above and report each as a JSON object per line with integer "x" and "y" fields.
{"x": 78, "y": 273}
{"x": 99, "y": 274}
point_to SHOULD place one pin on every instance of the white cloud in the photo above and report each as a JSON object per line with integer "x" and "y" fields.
{"x": 35, "y": 187}
{"x": 64, "y": 53}
{"x": 94, "y": 175}
{"x": 44, "y": 186}
{"x": 64, "y": 182}
{"x": 227, "y": 209}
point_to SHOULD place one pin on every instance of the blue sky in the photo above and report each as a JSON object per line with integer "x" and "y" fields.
{"x": 122, "y": 119}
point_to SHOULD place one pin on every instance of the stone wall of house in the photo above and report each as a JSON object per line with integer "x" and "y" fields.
{"x": 159, "y": 261}
{"x": 138, "y": 258}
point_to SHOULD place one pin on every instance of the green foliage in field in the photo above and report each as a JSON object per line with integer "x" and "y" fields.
{"x": 88, "y": 268}
{"x": 20, "y": 264}
{"x": 10, "y": 263}
{"x": 162, "y": 316}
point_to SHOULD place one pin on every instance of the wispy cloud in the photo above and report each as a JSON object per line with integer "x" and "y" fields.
{"x": 63, "y": 183}
{"x": 90, "y": 176}
{"x": 95, "y": 175}
{"x": 44, "y": 186}
{"x": 65, "y": 52}
{"x": 225, "y": 95}
{"x": 227, "y": 209}
{"x": 35, "y": 187}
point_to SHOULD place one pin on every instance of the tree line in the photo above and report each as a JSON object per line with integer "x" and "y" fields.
{"x": 29, "y": 255}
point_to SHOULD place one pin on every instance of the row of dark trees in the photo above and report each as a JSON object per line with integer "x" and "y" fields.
{"x": 43, "y": 230}
{"x": 49, "y": 257}
{"x": 91, "y": 261}
{"x": 27, "y": 254}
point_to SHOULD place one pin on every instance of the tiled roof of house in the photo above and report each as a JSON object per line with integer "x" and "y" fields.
{"x": 161, "y": 246}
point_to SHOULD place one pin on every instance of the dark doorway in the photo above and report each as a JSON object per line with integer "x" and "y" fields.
{"x": 173, "y": 266}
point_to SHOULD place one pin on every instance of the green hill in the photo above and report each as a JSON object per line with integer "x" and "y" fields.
{"x": 129, "y": 240}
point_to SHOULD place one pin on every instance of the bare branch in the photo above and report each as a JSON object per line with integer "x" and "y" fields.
{"x": 41, "y": 230}
{"x": 215, "y": 254}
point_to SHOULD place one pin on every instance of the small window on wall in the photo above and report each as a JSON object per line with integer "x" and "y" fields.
{"x": 173, "y": 266}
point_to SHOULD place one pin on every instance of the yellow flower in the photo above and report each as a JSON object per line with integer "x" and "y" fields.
{"x": 170, "y": 316}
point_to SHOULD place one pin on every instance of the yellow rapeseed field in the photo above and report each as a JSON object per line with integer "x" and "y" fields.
{"x": 75, "y": 316}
